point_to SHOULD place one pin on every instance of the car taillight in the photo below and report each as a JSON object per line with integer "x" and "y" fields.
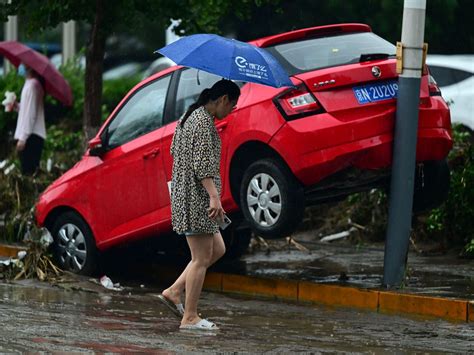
{"x": 297, "y": 102}
{"x": 433, "y": 87}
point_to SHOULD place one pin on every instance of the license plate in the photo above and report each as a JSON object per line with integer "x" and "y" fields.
{"x": 376, "y": 92}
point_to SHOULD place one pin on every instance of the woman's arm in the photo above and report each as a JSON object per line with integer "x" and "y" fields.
{"x": 215, "y": 209}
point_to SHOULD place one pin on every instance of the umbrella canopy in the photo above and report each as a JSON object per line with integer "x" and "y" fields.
{"x": 228, "y": 58}
{"x": 55, "y": 84}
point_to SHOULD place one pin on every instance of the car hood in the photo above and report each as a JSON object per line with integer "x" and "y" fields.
{"x": 85, "y": 164}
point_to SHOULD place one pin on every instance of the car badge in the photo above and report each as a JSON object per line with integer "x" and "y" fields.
{"x": 323, "y": 83}
{"x": 376, "y": 71}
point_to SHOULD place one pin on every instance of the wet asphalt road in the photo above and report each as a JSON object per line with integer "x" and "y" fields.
{"x": 83, "y": 317}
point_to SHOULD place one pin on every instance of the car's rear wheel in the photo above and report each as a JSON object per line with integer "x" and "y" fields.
{"x": 74, "y": 246}
{"x": 271, "y": 199}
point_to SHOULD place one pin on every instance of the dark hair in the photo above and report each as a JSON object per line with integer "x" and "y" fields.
{"x": 38, "y": 77}
{"x": 220, "y": 88}
{"x": 41, "y": 81}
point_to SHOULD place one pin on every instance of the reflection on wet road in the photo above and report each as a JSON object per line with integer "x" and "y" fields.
{"x": 37, "y": 317}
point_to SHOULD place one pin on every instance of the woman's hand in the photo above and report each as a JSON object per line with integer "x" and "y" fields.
{"x": 215, "y": 210}
{"x": 13, "y": 106}
{"x": 20, "y": 146}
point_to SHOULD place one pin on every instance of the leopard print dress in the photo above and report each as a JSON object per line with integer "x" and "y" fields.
{"x": 196, "y": 151}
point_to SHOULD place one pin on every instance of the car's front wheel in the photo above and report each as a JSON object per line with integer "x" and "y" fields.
{"x": 74, "y": 246}
{"x": 271, "y": 199}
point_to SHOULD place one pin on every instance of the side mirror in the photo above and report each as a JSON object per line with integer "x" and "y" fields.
{"x": 96, "y": 148}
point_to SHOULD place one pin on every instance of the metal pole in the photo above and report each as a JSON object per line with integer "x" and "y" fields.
{"x": 404, "y": 148}
{"x": 11, "y": 34}
{"x": 69, "y": 41}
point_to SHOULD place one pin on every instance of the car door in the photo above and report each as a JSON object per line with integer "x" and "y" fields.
{"x": 132, "y": 166}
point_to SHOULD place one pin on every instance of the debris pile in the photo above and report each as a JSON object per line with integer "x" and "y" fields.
{"x": 35, "y": 262}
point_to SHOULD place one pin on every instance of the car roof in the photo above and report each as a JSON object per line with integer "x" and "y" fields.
{"x": 327, "y": 30}
{"x": 457, "y": 61}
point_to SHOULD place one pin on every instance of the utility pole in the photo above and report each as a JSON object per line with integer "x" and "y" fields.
{"x": 409, "y": 63}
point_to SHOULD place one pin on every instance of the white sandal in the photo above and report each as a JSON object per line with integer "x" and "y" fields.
{"x": 203, "y": 324}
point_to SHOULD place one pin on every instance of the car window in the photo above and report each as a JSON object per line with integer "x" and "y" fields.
{"x": 191, "y": 83}
{"x": 323, "y": 52}
{"x": 448, "y": 76}
{"x": 141, "y": 114}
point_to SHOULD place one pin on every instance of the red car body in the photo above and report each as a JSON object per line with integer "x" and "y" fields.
{"x": 122, "y": 194}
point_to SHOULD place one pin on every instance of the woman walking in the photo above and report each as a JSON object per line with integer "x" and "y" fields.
{"x": 195, "y": 196}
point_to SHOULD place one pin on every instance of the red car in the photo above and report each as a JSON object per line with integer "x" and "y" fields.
{"x": 282, "y": 149}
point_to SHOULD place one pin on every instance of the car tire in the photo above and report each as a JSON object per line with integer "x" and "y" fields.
{"x": 74, "y": 247}
{"x": 271, "y": 199}
{"x": 432, "y": 180}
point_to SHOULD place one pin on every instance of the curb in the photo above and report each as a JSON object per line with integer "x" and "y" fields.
{"x": 345, "y": 296}
{"x": 10, "y": 251}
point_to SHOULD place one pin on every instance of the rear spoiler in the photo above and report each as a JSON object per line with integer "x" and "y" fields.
{"x": 311, "y": 32}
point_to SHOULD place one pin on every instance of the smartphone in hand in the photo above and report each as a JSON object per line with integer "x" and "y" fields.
{"x": 224, "y": 223}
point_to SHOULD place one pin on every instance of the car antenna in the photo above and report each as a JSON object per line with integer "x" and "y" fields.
{"x": 197, "y": 77}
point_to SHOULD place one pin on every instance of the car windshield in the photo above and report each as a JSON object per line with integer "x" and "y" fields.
{"x": 324, "y": 52}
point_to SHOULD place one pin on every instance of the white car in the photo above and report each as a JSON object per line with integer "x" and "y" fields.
{"x": 158, "y": 65}
{"x": 455, "y": 77}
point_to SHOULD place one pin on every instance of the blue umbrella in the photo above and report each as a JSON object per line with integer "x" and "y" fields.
{"x": 228, "y": 58}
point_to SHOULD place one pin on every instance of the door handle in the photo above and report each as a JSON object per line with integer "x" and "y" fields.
{"x": 222, "y": 126}
{"x": 151, "y": 154}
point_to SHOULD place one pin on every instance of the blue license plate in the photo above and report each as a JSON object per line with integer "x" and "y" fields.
{"x": 376, "y": 92}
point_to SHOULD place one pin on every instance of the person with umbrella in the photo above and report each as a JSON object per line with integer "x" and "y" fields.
{"x": 195, "y": 187}
{"x": 41, "y": 78}
{"x": 195, "y": 196}
{"x": 30, "y": 130}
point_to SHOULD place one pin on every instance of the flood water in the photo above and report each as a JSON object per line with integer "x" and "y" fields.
{"x": 38, "y": 317}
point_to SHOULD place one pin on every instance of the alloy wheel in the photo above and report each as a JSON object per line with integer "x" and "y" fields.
{"x": 72, "y": 249}
{"x": 264, "y": 200}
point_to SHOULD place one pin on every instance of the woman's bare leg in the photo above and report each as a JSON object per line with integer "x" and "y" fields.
{"x": 174, "y": 292}
{"x": 201, "y": 253}
{"x": 218, "y": 247}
